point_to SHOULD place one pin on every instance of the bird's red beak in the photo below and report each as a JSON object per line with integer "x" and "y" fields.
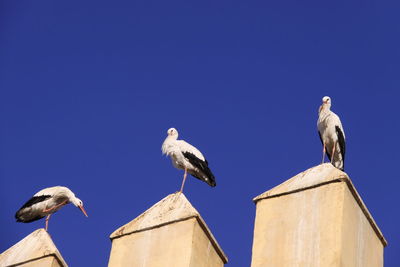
{"x": 83, "y": 210}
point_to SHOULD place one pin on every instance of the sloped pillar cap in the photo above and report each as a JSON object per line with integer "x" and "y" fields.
{"x": 173, "y": 208}
{"x": 318, "y": 176}
{"x": 33, "y": 247}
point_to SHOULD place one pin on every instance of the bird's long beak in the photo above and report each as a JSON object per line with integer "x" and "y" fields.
{"x": 83, "y": 210}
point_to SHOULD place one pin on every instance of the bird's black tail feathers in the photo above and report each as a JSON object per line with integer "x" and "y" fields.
{"x": 26, "y": 219}
{"x": 204, "y": 172}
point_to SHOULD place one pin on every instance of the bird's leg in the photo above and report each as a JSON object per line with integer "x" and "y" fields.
{"x": 323, "y": 153}
{"x": 59, "y": 205}
{"x": 333, "y": 151}
{"x": 184, "y": 179}
{"x": 47, "y": 221}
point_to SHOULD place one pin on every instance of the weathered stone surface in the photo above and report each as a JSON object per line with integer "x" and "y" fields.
{"x": 316, "y": 218}
{"x": 37, "y": 249}
{"x": 170, "y": 233}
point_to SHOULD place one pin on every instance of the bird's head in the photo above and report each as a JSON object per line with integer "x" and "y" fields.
{"x": 326, "y": 100}
{"x": 78, "y": 203}
{"x": 326, "y": 104}
{"x": 172, "y": 132}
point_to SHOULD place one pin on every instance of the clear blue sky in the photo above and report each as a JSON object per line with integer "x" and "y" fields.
{"x": 89, "y": 89}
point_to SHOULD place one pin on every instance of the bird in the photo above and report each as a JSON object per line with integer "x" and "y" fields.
{"x": 46, "y": 202}
{"x": 332, "y": 135}
{"x": 186, "y": 157}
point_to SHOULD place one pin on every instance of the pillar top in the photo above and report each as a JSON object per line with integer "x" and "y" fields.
{"x": 173, "y": 208}
{"x": 318, "y": 176}
{"x": 33, "y": 247}
{"x": 312, "y": 177}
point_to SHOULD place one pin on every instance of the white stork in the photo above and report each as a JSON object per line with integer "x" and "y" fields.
{"x": 331, "y": 133}
{"x": 186, "y": 157}
{"x": 45, "y": 202}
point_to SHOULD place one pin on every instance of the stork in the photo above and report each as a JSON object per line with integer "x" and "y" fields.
{"x": 331, "y": 133}
{"x": 46, "y": 202}
{"x": 186, "y": 157}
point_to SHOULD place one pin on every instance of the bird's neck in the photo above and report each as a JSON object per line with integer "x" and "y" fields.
{"x": 74, "y": 201}
{"x": 70, "y": 195}
{"x": 324, "y": 109}
{"x": 168, "y": 143}
{"x": 171, "y": 138}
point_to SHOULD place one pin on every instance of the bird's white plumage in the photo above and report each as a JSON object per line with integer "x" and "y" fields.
{"x": 56, "y": 190}
{"x": 174, "y": 148}
{"x": 180, "y": 153}
{"x": 186, "y": 147}
{"x": 327, "y": 125}
{"x": 46, "y": 202}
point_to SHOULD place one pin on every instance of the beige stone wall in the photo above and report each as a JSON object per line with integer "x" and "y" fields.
{"x": 36, "y": 249}
{"x": 170, "y": 233}
{"x": 203, "y": 253}
{"x": 49, "y": 261}
{"x": 361, "y": 247}
{"x": 178, "y": 244}
{"x": 316, "y": 219}
{"x": 163, "y": 246}
{"x": 300, "y": 229}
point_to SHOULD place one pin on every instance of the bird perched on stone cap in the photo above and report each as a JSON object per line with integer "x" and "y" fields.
{"x": 186, "y": 157}
{"x": 46, "y": 202}
{"x": 331, "y": 133}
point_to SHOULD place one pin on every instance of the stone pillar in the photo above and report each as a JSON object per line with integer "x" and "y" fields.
{"x": 170, "y": 233}
{"x": 316, "y": 218}
{"x": 35, "y": 250}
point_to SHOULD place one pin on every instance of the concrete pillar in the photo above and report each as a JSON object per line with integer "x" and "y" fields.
{"x": 170, "y": 233}
{"x": 35, "y": 250}
{"x": 316, "y": 218}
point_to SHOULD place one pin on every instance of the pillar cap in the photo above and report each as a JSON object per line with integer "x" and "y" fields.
{"x": 318, "y": 176}
{"x": 173, "y": 208}
{"x": 33, "y": 247}
{"x": 315, "y": 176}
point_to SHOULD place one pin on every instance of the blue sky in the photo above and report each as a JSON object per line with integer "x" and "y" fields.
{"x": 89, "y": 89}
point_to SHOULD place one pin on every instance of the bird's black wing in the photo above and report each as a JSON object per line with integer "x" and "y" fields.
{"x": 326, "y": 150}
{"x": 202, "y": 165}
{"x": 30, "y": 203}
{"x": 34, "y": 200}
{"x": 342, "y": 142}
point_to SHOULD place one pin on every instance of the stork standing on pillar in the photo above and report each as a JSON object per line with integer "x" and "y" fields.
{"x": 186, "y": 157}
{"x": 331, "y": 133}
{"x": 46, "y": 202}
